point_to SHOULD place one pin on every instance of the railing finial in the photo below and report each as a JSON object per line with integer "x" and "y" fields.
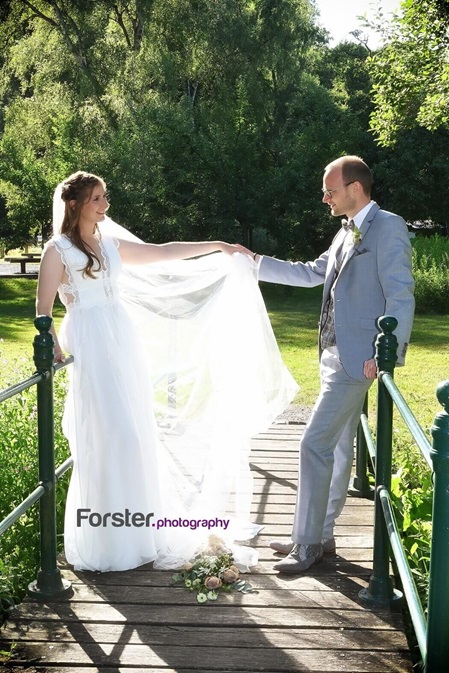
{"x": 443, "y": 395}
{"x": 386, "y": 344}
{"x": 43, "y": 343}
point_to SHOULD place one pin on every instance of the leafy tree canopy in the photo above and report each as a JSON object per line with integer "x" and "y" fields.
{"x": 411, "y": 71}
{"x": 207, "y": 118}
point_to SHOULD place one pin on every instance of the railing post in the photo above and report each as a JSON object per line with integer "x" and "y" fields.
{"x": 437, "y": 623}
{"x": 360, "y": 486}
{"x": 49, "y": 583}
{"x": 380, "y": 592}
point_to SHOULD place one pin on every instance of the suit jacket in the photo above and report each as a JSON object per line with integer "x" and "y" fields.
{"x": 375, "y": 279}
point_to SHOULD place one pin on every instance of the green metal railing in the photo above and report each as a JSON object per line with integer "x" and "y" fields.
{"x": 432, "y": 634}
{"x": 49, "y": 582}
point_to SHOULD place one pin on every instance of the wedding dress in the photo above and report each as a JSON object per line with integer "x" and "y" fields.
{"x": 175, "y": 368}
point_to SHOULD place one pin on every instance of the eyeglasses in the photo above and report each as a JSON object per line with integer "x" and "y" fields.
{"x": 329, "y": 192}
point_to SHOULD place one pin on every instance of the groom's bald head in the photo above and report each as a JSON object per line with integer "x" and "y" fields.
{"x": 353, "y": 169}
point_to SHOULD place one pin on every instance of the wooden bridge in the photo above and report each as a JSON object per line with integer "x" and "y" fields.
{"x": 138, "y": 620}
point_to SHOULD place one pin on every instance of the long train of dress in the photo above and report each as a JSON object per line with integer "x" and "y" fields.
{"x": 176, "y": 367}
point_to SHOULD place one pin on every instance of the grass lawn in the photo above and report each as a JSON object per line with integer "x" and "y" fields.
{"x": 17, "y": 331}
{"x": 294, "y": 315}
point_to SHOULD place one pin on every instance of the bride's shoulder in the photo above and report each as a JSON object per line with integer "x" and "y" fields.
{"x": 60, "y": 241}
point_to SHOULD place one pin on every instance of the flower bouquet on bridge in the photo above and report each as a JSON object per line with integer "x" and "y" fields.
{"x": 212, "y": 571}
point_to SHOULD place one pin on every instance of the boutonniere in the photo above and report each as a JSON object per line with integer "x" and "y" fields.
{"x": 355, "y": 231}
{"x": 356, "y": 236}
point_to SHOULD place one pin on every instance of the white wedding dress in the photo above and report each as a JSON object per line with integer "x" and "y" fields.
{"x": 175, "y": 368}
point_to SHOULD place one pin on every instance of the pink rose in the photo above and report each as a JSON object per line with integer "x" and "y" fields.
{"x": 212, "y": 582}
{"x": 231, "y": 574}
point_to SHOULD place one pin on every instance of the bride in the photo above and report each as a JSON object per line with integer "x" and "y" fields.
{"x": 175, "y": 368}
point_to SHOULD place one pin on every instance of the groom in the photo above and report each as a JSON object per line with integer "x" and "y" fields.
{"x": 366, "y": 274}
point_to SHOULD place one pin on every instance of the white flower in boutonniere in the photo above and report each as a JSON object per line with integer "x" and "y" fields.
{"x": 356, "y": 236}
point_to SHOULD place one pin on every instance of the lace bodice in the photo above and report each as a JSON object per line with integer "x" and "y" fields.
{"x": 81, "y": 291}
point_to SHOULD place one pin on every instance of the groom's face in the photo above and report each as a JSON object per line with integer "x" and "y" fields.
{"x": 336, "y": 194}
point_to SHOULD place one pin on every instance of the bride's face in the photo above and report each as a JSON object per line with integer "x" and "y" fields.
{"x": 94, "y": 210}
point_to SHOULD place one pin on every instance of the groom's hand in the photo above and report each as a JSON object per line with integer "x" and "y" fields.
{"x": 370, "y": 369}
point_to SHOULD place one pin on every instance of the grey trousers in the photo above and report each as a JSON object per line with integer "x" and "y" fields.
{"x": 327, "y": 451}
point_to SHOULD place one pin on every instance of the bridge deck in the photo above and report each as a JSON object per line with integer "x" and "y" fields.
{"x": 138, "y": 620}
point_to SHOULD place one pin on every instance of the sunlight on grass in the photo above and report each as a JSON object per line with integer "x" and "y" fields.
{"x": 17, "y": 331}
{"x": 294, "y": 314}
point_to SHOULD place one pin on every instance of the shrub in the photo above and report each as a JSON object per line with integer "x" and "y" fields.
{"x": 431, "y": 272}
{"x": 19, "y": 561}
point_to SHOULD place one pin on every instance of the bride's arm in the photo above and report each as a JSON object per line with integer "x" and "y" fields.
{"x": 51, "y": 271}
{"x": 144, "y": 253}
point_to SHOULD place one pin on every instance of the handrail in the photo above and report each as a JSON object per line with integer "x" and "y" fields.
{"x": 368, "y": 438}
{"x": 407, "y": 581}
{"x": 32, "y": 498}
{"x": 20, "y": 510}
{"x": 17, "y": 388}
{"x": 62, "y": 469}
{"x": 31, "y": 381}
{"x": 49, "y": 583}
{"x": 412, "y": 424}
{"x": 433, "y": 635}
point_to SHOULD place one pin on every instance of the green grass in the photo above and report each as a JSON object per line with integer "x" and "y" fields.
{"x": 17, "y": 311}
{"x": 294, "y": 314}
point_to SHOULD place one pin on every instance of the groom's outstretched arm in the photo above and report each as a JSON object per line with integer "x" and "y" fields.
{"x": 303, "y": 274}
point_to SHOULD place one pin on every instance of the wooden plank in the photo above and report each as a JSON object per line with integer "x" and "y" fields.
{"x": 280, "y": 529}
{"x": 306, "y": 582}
{"x": 214, "y": 614}
{"x": 180, "y": 596}
{"x": 179, "y": 669}
{"x": 354, "y": 639}
{"x": 348, "y": 519}
{"x": 269, "y": 472}
{"x": 289, "y": 498}
{"x": 222, "y": 658}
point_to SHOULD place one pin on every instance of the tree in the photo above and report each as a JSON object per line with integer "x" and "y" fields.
{"x": 411, "y": 71}
{"x": 413, "y": 174}
{"x": 211, "y": 118}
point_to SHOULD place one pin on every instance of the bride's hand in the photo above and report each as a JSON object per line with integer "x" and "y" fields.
{"x": 230, "y": 248}
{"x": 58, "y": 355}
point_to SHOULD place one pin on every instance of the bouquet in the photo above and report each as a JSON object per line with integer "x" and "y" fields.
{"x": 212, "y": 571}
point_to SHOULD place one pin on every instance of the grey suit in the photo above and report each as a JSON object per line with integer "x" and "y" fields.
{"x": 375, "y": 279}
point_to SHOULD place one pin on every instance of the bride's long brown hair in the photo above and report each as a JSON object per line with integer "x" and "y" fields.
{"x": 78, "y": 188}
